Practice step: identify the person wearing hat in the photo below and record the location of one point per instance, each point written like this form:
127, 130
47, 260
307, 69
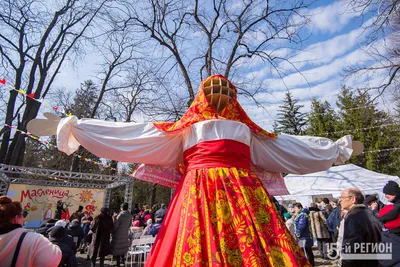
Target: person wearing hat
390, 216
371, 202
289, 223
392, 193
75, 230
101, 231
56, 236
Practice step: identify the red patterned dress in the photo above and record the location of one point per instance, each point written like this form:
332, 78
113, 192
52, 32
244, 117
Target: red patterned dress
221, 213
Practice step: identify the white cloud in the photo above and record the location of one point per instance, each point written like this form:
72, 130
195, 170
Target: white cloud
319, 74
324, 52
331, 18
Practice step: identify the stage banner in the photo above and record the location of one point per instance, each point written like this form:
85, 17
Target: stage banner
319, 198
39, 202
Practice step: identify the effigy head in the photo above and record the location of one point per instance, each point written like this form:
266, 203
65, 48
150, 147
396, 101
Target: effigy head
219, 91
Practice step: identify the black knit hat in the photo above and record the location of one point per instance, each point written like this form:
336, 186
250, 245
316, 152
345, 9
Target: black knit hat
391, 188
57, 232
104, 210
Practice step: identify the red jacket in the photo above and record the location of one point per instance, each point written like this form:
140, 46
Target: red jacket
390, 225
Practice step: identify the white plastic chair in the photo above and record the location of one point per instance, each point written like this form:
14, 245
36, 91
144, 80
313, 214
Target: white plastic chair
135, 256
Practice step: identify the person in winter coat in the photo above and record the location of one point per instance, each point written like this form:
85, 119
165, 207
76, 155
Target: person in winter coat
359, 228
392, 193
120, 241
281, 209
371, 202
76, 232
44, 228
289, 223
333, 222
153, 230
77, 214
56, 235
319, 229
101, 231
302, 224
160, 213
391, 237
87, 239
35, 249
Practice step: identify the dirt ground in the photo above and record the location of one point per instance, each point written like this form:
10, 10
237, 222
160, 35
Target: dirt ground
85, 263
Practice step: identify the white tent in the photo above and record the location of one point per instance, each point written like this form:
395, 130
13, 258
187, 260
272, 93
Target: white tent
334, 181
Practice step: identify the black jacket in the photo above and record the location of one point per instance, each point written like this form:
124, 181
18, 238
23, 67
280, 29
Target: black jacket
393, 241
359, 228
76, 232
68, 255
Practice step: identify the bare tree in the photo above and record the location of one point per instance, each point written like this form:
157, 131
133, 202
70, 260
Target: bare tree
204, 39
381, 44
35, 41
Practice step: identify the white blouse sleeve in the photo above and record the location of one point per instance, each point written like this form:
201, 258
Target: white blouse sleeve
299, 154
121, 141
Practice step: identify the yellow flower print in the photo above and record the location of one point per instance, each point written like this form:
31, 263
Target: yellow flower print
245, 195
261, 196
224, 211
206, 114
223, 246
190, 241
250, 235
278, 257
193, 189
197, 233
221, 194
188, 259
262, 216
243, 173
235, 257
223, 172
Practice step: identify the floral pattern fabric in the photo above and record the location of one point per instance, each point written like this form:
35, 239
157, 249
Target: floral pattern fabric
226, 218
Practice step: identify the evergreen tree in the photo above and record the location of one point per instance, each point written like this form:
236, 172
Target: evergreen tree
322, 120
290, 119
378, 132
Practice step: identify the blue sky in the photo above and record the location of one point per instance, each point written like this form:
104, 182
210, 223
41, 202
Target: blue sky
336, 37
334, 40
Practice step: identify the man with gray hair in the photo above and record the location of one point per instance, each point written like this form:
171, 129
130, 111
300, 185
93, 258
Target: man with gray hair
359, 230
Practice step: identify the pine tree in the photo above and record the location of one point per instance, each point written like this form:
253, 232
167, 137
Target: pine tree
290, 119
378, 132
322, 120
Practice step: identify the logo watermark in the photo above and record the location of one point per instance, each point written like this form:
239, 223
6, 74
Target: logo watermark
361, 251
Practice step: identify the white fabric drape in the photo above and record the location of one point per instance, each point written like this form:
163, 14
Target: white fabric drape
299, 154
143, 143
126, 142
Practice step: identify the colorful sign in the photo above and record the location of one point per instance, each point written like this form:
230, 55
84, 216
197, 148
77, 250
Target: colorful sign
319, 198
40, 202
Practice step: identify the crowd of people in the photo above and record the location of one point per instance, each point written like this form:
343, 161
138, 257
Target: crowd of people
333, 224
349, 226
57, 241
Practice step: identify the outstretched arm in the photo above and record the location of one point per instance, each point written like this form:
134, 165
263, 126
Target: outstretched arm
128, 142
299, 154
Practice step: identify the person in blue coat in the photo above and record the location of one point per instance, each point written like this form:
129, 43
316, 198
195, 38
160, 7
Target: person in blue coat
302, 224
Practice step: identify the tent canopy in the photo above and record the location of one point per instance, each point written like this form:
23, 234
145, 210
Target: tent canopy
334, 181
